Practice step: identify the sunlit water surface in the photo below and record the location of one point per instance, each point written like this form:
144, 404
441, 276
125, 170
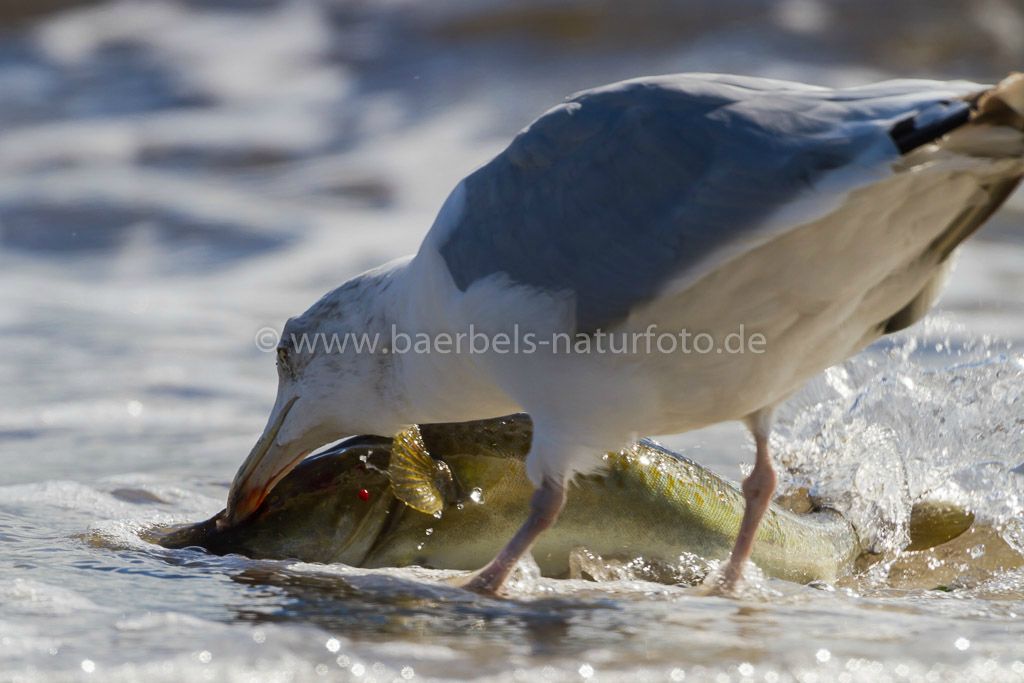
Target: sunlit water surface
176, 176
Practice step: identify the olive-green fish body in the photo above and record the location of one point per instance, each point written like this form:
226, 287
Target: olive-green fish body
449, 496
647, 502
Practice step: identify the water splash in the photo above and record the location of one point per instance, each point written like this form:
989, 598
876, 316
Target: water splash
917, 420
689, 570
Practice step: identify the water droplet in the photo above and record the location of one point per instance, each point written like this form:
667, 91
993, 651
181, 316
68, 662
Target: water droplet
586, 671
476, 495
677, 675
205, 657
745, 669
88, 666
430, 531
962, 644
332, 645
977, 551
823, 655
408, 672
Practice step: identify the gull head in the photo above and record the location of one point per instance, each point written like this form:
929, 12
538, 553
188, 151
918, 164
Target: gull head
336, 378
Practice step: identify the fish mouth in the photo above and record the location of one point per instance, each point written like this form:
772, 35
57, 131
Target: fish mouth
183, 535
267, 463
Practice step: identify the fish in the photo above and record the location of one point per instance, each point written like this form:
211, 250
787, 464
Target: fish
445, 496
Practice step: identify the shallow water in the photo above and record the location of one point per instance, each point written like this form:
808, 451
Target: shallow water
176, 176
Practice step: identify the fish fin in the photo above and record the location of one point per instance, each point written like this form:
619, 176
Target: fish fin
418, 480
933, 523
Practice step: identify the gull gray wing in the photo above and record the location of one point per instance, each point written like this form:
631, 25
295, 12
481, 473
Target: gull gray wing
624, 189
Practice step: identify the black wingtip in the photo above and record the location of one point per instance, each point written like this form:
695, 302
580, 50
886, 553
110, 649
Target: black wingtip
908, 134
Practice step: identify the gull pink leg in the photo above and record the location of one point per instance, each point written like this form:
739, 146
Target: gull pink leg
758, 488
546, 504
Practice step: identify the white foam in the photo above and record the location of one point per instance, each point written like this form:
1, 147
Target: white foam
29, 596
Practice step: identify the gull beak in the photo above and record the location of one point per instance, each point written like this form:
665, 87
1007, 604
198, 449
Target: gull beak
268, 463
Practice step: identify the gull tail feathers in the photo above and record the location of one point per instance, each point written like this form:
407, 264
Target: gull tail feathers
985, 138
1004, 104
996, 132
986, 123
996, 124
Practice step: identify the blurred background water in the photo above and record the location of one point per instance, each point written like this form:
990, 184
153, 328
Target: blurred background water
176, 175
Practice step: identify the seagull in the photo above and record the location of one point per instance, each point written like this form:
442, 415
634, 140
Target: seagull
811, 220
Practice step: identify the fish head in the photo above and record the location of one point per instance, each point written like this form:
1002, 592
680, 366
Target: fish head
330, 508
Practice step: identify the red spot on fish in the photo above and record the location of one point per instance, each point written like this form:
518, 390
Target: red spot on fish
364, 495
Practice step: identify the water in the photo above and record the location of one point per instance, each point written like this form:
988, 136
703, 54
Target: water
175, 176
